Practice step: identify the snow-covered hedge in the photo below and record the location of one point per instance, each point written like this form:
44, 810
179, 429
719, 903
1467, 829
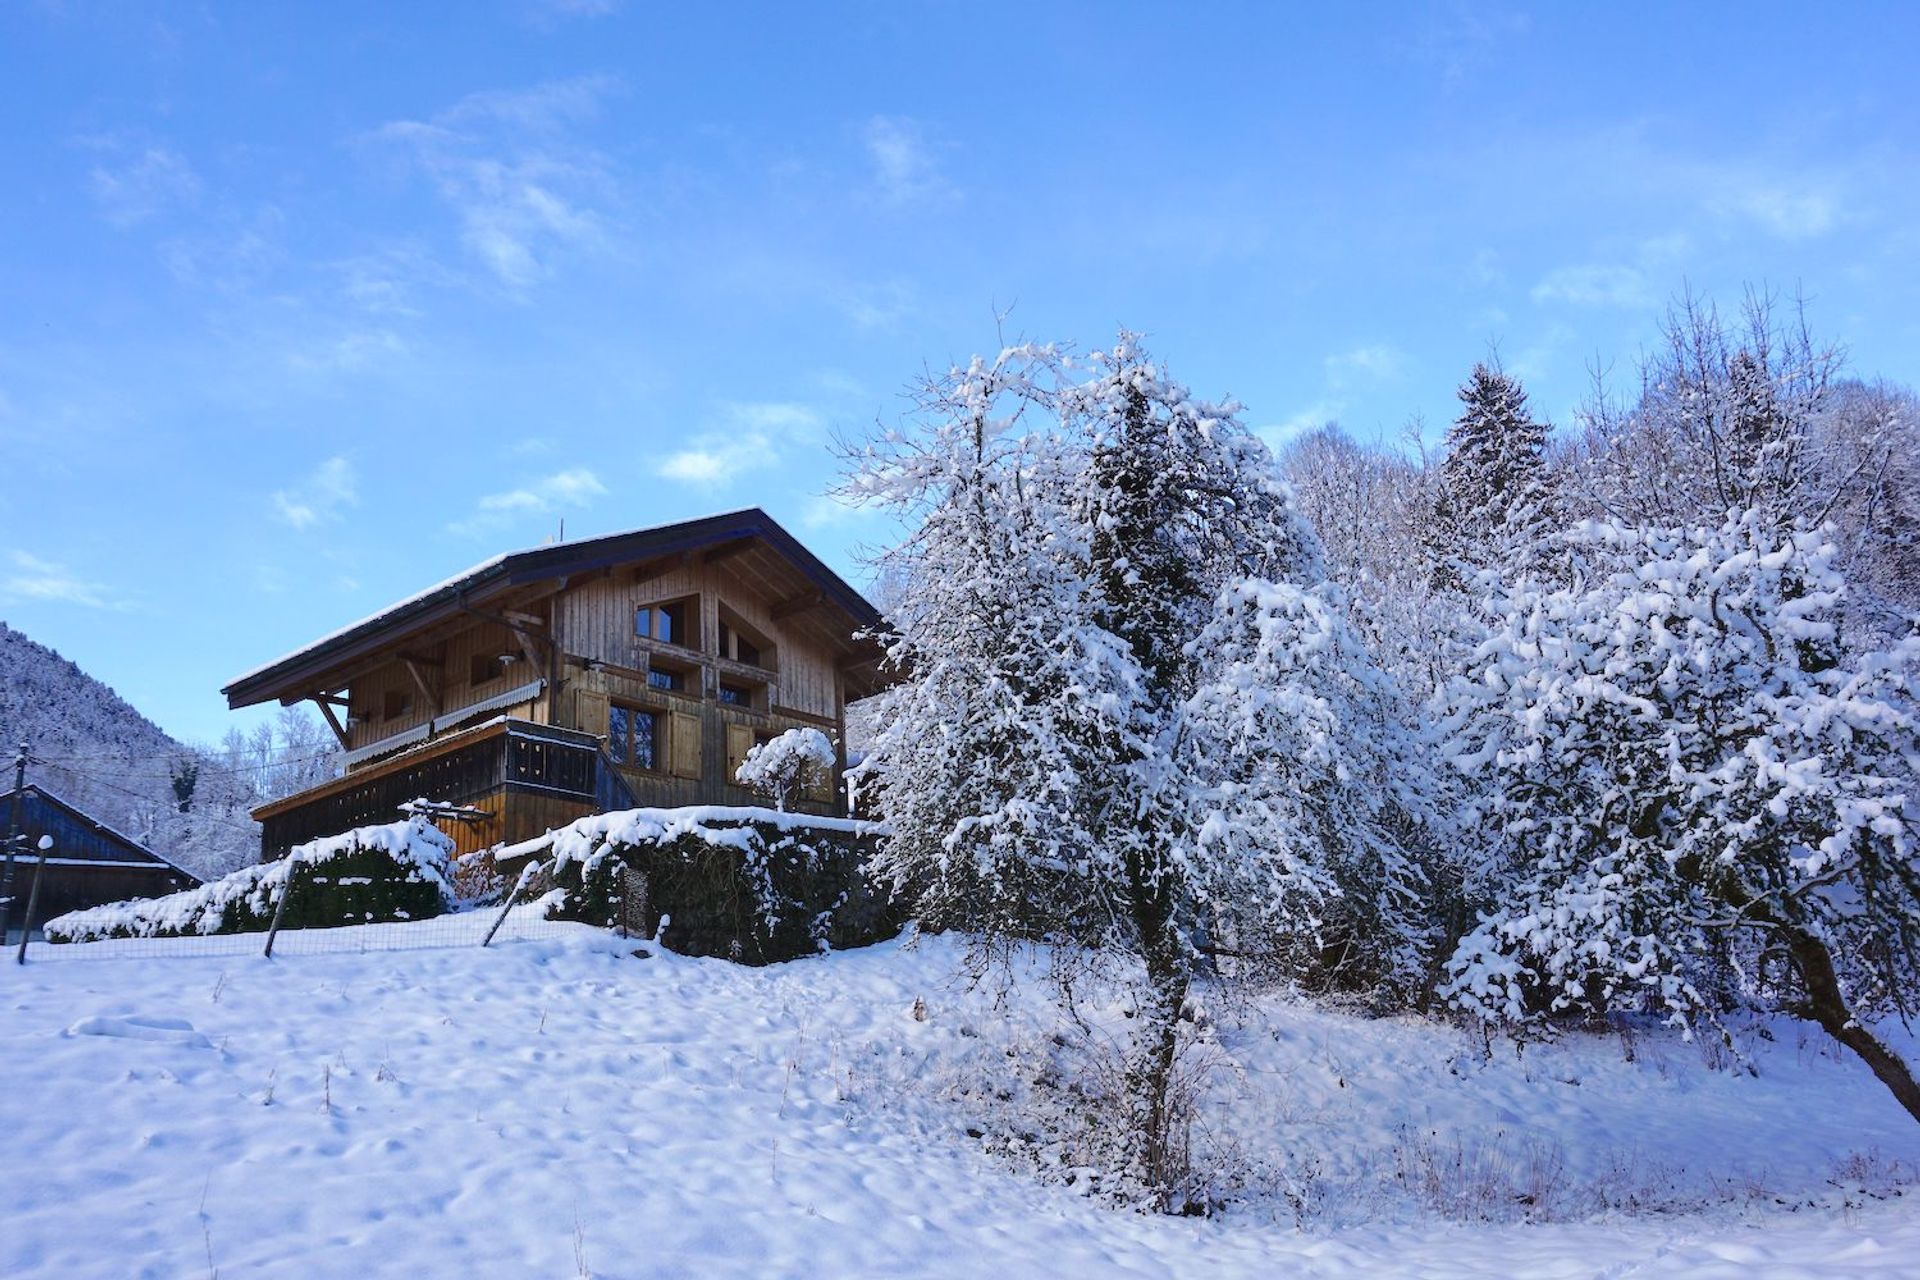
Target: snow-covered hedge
750, 884
396, 871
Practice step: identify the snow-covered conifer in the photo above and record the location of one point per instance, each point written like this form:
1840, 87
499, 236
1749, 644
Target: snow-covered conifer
1495, 495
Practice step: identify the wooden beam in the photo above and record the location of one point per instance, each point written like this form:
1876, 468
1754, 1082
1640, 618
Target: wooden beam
427, 691
649, 569
422, 659
719, 555
333, 722
797, 604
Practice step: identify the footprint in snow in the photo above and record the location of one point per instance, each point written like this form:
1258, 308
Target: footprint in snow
159, 1030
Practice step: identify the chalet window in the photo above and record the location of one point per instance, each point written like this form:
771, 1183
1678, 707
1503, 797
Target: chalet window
633, 737
483, 667
736, 695
740, 644
396, 703
660, 678
669, 622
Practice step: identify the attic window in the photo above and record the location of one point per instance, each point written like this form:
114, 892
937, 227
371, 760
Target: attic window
670, 622
396, 703
483, 667
740, 643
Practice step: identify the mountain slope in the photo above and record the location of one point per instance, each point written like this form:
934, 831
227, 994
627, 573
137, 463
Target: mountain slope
87, 743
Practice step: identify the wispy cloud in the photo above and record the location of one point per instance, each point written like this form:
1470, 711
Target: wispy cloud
1376, 362
36, 579
132, 189
562, 491
1312, 418
352, 352
509, 166
1789, 214
331, 488
904, 171
1595, 285
753, 438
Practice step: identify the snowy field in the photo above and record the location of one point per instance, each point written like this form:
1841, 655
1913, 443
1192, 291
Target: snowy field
558, 1108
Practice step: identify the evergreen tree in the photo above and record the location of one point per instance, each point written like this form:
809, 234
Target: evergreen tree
1494, 490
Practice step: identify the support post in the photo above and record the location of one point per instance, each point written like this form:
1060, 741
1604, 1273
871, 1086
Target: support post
13, 841
33, 899
280, 907
526, 874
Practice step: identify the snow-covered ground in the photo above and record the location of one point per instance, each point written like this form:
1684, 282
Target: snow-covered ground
558, 1107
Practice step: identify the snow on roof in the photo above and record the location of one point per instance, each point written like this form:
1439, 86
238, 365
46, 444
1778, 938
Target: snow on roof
40, 790
341, 632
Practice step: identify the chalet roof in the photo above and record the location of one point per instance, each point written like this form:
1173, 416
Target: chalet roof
564, 560
34, 790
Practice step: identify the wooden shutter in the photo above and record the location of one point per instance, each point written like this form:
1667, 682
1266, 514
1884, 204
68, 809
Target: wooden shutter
739, 742
683, 741
590, 712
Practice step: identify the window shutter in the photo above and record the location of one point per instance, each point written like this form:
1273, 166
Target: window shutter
739, 742
590, 712
683, 740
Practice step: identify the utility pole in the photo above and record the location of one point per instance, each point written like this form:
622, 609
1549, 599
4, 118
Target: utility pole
13, 842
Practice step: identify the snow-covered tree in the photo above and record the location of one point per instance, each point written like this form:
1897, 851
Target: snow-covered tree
1130, 710
1373, 511
1721, 423
1495, 495
1694, 790
785, 761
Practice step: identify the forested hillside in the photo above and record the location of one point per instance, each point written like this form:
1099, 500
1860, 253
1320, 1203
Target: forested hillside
188, 802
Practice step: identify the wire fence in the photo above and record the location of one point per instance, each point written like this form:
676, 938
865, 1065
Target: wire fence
520, 915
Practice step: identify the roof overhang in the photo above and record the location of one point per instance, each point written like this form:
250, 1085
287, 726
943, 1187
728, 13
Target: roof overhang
310, 670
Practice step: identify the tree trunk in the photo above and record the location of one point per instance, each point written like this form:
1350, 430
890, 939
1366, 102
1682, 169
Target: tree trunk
1826, 1004
1160, 1144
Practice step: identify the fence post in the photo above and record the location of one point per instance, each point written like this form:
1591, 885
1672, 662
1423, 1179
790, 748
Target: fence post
33, 898
526, 874
280, 907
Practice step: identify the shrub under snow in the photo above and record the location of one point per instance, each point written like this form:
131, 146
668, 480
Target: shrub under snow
784, 762
395, 871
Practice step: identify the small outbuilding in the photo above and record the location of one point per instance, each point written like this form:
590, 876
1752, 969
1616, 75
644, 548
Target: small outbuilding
90, 863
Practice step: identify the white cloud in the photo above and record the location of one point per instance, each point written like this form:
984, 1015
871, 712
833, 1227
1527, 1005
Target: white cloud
350, 352
564, 490
828, 511
1595, 285
332, 487
37, 579
1368, 363
903, 168
137, 189
508, 166
753, 438
1789, 214
1316, 415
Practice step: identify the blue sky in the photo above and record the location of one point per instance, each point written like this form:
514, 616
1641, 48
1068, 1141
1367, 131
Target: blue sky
305, 307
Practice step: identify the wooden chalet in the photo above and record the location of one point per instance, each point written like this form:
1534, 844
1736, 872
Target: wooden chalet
633, 669
90, 863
